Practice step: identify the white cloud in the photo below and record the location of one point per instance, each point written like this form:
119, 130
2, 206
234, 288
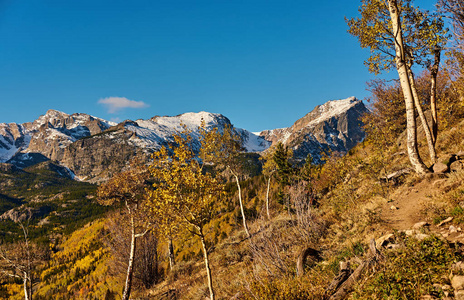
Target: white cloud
115, 104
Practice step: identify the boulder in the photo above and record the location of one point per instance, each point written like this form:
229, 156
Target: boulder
443, 163
420, 225
440, 167
458, 282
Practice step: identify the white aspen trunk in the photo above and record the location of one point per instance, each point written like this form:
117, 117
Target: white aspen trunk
267, 197
245, 226
433, 94
130, 265
28, 271
401, 67
26, 290
425, 125
208, 269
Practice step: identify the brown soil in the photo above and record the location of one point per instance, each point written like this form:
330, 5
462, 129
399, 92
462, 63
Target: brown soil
410, 203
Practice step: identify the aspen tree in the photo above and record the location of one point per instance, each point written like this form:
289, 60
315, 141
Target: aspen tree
128, 188
183, 193
400, 36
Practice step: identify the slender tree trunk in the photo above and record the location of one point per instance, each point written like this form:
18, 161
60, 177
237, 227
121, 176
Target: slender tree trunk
245, 226
425, 125
401, 67
130, 266
433, 94
26, 289
172, 261
208, 269
28, 272
267, 197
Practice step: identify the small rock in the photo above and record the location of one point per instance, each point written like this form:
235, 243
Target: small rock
459, 295
420, 225
458, 282
452, 229
393, 207
445, 287
440, 168
459, 266
384, 240
421, 236
445, 235
449, 219
427, 297
409, 232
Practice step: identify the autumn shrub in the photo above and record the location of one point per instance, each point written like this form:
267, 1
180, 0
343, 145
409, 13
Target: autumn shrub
182, 269
410, 271
283, 288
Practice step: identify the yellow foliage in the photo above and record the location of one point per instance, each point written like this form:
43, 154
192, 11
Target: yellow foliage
80, 269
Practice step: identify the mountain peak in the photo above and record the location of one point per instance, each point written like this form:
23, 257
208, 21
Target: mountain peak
333, 126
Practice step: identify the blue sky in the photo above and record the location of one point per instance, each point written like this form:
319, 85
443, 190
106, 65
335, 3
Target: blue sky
261, 63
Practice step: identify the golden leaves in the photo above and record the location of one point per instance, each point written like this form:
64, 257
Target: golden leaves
182, 192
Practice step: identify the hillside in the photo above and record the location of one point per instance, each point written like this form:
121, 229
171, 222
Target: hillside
416, 222
321, 227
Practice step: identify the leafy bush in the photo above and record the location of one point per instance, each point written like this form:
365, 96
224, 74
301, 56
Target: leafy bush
411, 271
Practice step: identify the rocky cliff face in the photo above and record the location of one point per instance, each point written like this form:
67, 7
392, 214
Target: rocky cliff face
93, 149
47, 137
331, 127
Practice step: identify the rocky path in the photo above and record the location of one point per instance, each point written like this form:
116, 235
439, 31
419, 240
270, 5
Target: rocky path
405, 206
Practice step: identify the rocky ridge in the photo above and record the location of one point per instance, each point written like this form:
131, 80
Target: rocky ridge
331, 127
93, 148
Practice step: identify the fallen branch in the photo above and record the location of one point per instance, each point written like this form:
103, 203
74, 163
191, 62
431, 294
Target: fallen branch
308, 251
346, 286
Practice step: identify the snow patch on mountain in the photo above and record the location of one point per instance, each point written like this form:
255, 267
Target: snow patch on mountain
333, 108
157, 131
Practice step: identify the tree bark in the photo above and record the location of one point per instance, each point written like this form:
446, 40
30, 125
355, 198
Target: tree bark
267, 197
172, 260
425, 125
433, 93
401, 67
245, 226
308, 251
28, 267
130, 266
343, 288
208, 269
26, 289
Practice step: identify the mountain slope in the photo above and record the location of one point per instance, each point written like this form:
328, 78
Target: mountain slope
331, 127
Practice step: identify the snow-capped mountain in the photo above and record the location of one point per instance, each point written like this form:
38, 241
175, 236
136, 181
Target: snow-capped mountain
331, 127
93, 149
46, 137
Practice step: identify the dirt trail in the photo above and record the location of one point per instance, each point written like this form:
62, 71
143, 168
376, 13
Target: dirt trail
409, 202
